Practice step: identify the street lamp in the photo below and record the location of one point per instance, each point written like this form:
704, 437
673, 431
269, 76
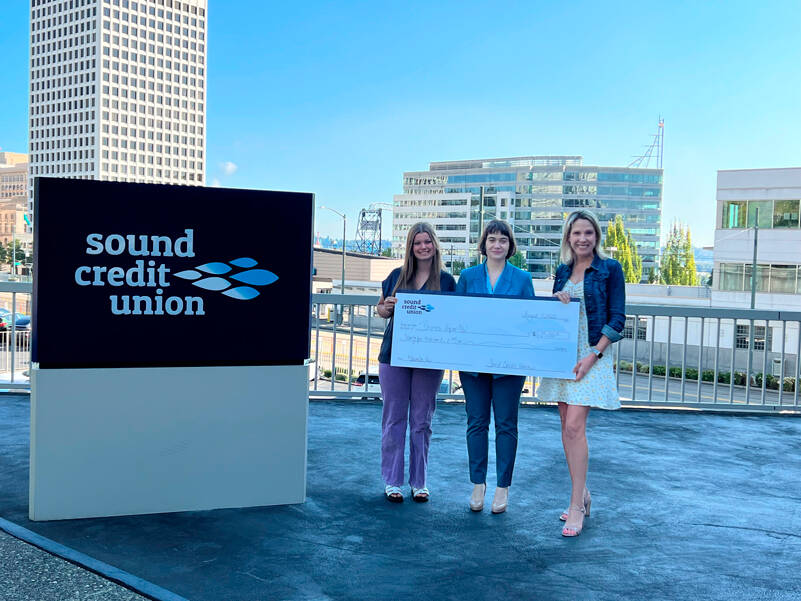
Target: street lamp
344, 223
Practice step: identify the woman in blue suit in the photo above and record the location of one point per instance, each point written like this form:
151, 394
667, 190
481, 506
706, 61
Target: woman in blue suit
483, 392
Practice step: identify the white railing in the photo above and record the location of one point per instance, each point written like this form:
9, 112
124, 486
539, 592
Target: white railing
15, 344
729, 359
712, 355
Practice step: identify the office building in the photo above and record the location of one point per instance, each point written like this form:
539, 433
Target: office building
118, 90
13, 198
534, 194
768, 198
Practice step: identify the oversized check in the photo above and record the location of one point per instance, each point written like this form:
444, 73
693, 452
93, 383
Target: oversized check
487, 334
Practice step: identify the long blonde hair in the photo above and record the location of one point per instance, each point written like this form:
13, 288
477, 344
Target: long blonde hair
409, 268
565, 252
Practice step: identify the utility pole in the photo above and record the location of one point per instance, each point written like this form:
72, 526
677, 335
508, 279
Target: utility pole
754, 261
480, 218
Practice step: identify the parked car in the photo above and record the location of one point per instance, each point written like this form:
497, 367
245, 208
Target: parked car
23, 323
372, 384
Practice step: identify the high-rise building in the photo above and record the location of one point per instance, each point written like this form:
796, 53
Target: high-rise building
118, 90
534, 194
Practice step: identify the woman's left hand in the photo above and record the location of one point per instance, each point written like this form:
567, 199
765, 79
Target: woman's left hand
584, 365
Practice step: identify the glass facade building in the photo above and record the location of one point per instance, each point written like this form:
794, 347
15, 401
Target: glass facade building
534, 194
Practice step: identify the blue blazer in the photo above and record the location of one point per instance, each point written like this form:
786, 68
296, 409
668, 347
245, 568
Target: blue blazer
512, 281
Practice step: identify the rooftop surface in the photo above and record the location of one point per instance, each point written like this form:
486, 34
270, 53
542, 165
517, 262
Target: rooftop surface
686, 505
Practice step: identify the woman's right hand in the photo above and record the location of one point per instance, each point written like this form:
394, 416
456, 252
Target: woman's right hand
389, 305
562, 296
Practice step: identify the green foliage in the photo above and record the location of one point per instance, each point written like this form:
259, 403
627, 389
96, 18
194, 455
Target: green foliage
387, 252
518, 260
326, 373
15, 251
677, 267
708, 375
456, 267
625, 250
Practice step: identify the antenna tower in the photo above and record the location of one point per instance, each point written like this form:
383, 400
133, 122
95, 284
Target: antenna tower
654, 150
368, 231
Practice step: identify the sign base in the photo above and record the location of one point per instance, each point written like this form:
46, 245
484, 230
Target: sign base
108, 442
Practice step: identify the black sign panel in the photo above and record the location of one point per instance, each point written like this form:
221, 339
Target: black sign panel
145, 275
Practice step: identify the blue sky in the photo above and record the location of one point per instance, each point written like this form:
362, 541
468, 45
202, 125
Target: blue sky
340, 98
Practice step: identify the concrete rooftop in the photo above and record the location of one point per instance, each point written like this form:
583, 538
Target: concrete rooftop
685, 506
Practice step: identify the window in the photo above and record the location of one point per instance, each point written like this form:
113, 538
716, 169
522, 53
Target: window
785, 213
759, 337
765, 208
734, 214
628, 329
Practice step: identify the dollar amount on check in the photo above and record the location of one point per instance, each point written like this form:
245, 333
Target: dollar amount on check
486, 334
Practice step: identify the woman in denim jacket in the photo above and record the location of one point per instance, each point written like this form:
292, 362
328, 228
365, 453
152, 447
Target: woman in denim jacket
598, 282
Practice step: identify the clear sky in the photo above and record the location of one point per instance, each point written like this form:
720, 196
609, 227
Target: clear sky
340, 98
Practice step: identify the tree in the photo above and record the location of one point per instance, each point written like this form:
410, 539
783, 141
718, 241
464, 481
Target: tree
677, 267
625, 250
518, 260
387, 252
456, 267
17, 252
689, 276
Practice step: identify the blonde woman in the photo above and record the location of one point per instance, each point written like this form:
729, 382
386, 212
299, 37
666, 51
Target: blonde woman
410, 394
597, 281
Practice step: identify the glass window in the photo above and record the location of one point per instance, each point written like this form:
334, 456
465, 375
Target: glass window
762, 277
782, 278
734, 214
765, 208
785, 213
762, 335
731, 276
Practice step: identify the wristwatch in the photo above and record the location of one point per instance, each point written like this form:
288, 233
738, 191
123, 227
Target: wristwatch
598, 353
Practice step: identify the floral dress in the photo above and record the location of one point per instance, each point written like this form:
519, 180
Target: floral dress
598, 387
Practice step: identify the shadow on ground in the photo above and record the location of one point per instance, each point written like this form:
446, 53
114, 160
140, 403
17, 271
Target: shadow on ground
685, 506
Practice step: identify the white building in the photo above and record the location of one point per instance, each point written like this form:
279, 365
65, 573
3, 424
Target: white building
118, 90
774, 195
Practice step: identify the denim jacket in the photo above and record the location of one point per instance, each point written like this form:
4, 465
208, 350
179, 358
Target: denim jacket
604, 297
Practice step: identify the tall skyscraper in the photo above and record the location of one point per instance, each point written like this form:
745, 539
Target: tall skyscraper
534, 194
118, 90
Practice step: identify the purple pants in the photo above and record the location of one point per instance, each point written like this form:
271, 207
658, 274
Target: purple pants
410, 396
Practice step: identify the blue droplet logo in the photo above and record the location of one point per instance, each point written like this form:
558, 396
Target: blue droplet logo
189, 274
212, 283
244, 262
215, 268
242, 293
255, 277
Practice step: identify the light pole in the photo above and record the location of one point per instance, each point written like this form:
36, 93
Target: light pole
344, 225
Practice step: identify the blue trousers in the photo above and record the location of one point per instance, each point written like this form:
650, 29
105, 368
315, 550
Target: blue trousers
483, 392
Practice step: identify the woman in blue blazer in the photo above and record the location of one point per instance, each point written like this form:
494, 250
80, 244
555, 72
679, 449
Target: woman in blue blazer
483, 392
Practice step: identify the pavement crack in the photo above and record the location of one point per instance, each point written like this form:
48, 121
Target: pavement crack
254, 577
765, 530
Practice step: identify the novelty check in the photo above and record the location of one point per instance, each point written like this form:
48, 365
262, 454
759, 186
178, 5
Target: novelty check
486, 334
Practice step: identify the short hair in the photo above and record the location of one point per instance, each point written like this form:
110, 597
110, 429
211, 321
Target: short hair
498, 226
565, 252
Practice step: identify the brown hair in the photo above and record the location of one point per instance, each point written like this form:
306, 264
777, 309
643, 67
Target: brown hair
409, 268
498, 226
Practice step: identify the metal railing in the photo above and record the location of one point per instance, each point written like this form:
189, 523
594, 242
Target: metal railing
672, 357
15, 345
